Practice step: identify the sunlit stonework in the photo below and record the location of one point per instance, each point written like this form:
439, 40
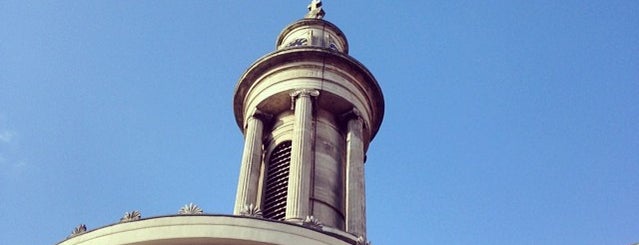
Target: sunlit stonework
315, 10
131, 216
308, 112
190, 209
312, 222
252, 211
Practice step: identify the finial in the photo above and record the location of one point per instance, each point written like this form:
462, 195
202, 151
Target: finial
315, 10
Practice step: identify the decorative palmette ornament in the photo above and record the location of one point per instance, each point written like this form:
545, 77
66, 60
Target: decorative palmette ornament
251, 211
131, 216
312, 222
362, 241
190, 209
82, 228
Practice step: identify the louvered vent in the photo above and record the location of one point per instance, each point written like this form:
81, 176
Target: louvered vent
276, 184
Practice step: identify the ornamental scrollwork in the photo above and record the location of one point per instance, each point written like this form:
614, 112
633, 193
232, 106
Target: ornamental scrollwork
297, 42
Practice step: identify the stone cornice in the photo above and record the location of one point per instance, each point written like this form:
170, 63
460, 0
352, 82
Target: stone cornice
311, 54
150, 227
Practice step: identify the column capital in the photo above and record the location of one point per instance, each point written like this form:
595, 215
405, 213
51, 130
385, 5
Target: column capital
353, 114
263, 116
305, 92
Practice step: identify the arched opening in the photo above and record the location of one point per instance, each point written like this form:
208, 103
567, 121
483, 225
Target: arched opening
276, 182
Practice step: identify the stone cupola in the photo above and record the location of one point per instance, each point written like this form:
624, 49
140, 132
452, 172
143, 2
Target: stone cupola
308, 112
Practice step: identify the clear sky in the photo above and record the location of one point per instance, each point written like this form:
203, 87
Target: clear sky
507, 122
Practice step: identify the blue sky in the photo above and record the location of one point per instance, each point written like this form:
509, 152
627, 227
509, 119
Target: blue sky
507, 122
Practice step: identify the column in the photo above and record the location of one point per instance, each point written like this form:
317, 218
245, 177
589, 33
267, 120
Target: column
251, 161
355, 188
298, 199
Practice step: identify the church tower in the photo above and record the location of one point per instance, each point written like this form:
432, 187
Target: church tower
308, 112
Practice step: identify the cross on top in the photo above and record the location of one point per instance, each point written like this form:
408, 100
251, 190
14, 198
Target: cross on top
315, 10
314, 5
